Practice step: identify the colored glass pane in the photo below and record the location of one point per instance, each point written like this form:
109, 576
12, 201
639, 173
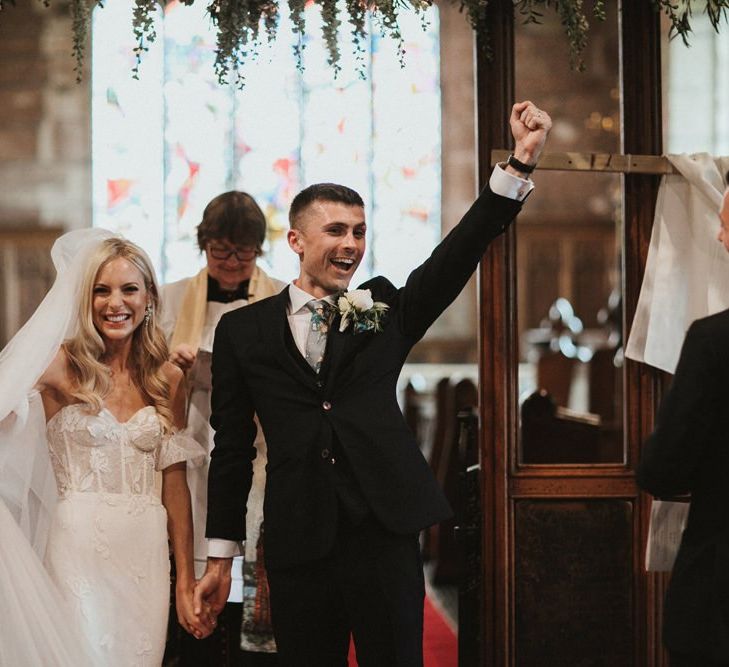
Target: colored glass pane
166, 144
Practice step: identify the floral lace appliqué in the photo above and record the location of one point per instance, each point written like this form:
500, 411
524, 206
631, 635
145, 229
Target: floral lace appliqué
81, 590
95, 453
101, 543
144, 648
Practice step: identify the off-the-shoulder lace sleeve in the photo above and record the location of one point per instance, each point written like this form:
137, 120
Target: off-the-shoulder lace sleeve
179, 446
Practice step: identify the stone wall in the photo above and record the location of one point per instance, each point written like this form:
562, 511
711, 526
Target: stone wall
453, 337
45, 139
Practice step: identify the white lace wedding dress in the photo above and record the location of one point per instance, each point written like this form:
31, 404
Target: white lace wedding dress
34, 628
107, 548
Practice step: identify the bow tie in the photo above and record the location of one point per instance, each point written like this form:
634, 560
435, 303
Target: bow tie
218, 294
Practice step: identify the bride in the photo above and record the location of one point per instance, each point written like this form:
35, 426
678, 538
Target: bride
87, 392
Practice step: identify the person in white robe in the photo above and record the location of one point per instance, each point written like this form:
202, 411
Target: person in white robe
231, 236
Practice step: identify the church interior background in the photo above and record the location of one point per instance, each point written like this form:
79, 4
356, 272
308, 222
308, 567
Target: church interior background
144, 156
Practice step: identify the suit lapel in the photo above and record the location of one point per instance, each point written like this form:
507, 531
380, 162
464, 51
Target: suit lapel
287, 352
336, 343
341, 347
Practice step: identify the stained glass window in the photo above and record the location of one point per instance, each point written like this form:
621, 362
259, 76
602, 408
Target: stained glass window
696, 90
164, 145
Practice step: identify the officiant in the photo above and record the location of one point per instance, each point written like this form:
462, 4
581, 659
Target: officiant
231, 235
688, 452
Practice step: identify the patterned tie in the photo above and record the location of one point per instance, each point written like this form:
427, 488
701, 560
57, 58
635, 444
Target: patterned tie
316, 339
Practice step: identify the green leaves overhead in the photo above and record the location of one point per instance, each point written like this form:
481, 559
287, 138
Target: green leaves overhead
81, 18
242, 25
239, 23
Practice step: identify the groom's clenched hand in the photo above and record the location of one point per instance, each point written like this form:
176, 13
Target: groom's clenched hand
530, 126
211, 592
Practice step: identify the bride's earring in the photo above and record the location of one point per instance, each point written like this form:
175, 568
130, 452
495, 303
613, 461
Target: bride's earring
147, 313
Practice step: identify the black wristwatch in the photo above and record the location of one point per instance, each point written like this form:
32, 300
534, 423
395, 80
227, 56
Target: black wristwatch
519, 165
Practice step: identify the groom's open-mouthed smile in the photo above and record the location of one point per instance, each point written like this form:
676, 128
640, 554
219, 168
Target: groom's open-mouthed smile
330, 243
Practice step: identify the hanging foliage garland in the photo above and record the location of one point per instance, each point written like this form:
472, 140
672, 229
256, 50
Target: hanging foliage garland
243, 24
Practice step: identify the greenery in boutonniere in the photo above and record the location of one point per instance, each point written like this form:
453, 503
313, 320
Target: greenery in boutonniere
242, 24
357, 308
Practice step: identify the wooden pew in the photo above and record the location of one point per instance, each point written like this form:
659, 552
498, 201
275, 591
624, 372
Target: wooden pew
554, 435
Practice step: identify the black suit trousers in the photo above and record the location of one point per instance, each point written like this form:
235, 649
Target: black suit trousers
370, 585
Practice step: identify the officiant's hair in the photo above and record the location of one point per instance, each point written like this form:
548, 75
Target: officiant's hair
232, 216
149, 351
330, 192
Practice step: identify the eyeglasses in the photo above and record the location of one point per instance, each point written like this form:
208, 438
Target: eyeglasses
241, 254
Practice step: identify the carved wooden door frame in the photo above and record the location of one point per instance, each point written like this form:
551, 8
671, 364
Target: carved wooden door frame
504, 480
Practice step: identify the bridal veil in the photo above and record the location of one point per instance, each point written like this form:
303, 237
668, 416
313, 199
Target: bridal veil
27, 484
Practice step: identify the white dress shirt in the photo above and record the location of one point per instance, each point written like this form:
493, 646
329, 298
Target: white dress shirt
299, 316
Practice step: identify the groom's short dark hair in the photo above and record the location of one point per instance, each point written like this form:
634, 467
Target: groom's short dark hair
331, 192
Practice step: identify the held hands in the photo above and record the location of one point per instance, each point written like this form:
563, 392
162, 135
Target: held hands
211, 593
183, 356
530, 127
196, 625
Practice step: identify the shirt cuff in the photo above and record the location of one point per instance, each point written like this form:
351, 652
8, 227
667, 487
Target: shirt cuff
507, 185
218, 548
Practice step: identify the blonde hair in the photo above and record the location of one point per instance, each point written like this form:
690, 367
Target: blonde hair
85, 350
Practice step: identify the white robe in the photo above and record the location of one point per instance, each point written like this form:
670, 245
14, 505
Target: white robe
687, 270
198, 425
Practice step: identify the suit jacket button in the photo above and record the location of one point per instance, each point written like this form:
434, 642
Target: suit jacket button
319, 384
325, 453
326, 405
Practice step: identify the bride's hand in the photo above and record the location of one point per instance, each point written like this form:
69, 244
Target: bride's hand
186, 615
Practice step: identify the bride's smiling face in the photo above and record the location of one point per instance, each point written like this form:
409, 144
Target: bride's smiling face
119, 299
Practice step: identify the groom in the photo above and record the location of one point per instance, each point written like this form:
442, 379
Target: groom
347, 488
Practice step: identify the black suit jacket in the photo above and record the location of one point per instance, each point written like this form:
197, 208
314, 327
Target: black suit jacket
348, 410
689, 452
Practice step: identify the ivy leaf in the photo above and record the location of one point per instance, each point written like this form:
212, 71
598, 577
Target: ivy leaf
143, 27
330, 31
238, 23
80, 18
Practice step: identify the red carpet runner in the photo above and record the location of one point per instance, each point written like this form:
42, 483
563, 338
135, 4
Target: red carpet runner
440, 645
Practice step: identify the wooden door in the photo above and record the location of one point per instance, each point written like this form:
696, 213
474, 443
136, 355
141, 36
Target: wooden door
563, 542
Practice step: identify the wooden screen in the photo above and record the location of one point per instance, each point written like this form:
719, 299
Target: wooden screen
563, 543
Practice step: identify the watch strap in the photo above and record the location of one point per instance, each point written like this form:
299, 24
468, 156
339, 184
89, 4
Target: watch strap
519, 165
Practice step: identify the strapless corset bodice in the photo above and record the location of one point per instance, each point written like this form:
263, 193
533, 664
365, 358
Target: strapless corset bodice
97, 453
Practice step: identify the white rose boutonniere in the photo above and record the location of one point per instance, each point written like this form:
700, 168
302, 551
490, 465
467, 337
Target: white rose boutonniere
357, 307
